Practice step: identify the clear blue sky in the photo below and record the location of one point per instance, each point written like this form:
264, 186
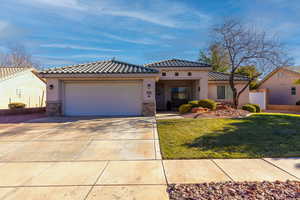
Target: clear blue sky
60, 32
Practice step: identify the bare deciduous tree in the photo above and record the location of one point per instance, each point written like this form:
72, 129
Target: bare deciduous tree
17, 56
247, 46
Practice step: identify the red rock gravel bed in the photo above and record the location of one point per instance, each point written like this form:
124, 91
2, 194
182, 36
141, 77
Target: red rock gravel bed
222, 113
236, 191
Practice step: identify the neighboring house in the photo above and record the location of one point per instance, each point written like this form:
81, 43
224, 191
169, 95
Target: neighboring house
281, 87
112, 87
21, 84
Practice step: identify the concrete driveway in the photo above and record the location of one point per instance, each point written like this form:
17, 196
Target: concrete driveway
81, 158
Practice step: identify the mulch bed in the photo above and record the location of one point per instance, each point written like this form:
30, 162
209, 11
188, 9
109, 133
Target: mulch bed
236, 191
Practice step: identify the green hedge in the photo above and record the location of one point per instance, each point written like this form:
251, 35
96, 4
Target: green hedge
249, 107
15, 105
208, 103
194, 103
185, 108
257, 107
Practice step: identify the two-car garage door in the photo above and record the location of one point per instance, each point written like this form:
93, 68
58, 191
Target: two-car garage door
103, 98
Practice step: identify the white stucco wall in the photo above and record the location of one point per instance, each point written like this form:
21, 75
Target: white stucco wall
54, 95
149, 90
212, 92
182, 74
279, 88
24, 87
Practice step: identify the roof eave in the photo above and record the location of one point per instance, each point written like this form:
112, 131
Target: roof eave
183, 68
64, 75
222, 81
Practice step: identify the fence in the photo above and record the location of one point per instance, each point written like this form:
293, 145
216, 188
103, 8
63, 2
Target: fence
259, 97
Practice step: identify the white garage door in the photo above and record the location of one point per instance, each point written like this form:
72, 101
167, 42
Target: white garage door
103, 98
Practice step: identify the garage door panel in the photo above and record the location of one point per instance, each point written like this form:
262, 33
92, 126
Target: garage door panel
106, 99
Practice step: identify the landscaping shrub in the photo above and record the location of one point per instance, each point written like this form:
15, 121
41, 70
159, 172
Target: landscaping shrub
184, 108
257, 107
298, 103
249, 107
194, 103
16, 105
208, 103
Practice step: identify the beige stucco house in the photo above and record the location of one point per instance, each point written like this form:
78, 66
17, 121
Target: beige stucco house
280, 86
21, 84
111, 88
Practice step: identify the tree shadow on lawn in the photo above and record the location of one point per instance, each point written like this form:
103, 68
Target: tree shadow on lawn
253, 137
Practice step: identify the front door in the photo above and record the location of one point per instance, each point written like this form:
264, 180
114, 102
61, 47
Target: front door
159, 96
179, 96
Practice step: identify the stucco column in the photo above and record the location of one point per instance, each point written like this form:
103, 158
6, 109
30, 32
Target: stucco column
203, 84
149, 104
54, 101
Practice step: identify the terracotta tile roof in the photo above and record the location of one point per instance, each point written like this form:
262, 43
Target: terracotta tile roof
219, 76
8, 72
101, 67
177, 63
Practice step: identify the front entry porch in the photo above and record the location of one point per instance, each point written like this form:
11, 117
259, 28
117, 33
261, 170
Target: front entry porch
170, 94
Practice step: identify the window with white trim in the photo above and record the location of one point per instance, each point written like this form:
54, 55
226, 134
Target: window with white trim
224, 92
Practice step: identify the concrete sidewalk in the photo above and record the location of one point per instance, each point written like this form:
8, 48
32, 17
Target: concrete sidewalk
219, 170
143, 179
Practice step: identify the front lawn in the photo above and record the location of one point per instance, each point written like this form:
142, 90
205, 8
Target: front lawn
260, 135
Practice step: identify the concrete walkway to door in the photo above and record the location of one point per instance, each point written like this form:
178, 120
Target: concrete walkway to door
109, 159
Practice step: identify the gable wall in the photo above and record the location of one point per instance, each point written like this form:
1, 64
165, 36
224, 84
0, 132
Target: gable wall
279, 88
30, 87
182, 74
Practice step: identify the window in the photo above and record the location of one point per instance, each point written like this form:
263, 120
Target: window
19, 93
189, 73
176, 73
293, 91
224, 92
179, 93
164, 74
221, 92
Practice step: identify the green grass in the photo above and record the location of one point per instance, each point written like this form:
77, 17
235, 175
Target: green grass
260, 135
